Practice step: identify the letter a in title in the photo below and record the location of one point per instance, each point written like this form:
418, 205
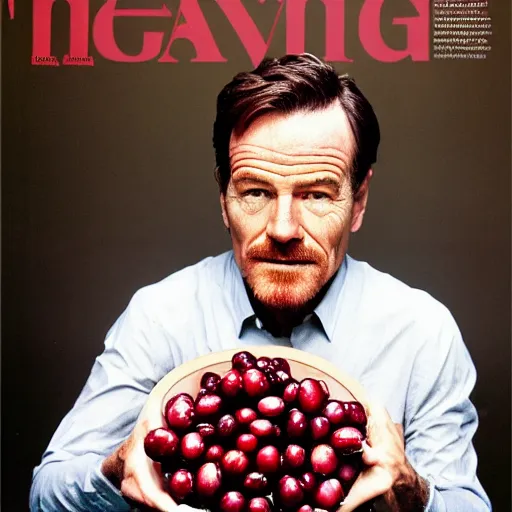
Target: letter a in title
197, 31
246, 29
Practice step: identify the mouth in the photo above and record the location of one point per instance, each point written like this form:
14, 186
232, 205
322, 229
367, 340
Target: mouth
287, 262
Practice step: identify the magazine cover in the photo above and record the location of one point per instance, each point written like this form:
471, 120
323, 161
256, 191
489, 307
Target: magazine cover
136, 238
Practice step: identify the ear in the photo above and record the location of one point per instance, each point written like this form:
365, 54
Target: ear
224, 210
359, 206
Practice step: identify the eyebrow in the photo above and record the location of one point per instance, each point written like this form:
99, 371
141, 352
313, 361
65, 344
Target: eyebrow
328, 182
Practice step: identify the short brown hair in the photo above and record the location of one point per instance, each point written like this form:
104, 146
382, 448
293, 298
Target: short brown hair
289, 84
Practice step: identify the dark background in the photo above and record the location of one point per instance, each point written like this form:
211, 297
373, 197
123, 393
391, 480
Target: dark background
107, 186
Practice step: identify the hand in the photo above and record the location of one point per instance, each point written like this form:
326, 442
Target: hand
133, 472
388, 476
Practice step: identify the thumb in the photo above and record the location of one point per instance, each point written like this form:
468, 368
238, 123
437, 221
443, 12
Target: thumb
165, 503
154, 489
371, 456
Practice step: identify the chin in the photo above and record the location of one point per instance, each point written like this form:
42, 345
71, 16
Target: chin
287, 290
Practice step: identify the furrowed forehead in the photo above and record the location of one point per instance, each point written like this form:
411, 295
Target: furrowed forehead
250, 160
299, 132
302, 141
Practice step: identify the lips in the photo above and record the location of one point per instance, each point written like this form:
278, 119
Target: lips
284, 261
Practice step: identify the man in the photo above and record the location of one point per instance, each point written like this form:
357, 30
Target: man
294, 148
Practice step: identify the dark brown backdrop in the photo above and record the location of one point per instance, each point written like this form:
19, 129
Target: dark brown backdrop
107, 186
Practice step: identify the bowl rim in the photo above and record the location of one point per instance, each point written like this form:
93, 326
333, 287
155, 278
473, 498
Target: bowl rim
153, 406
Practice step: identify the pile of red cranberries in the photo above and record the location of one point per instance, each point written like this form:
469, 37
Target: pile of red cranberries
257, 440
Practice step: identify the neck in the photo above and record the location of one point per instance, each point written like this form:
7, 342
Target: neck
281, 321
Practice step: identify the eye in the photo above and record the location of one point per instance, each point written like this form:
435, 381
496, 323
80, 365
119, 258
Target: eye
316, 196
256, 192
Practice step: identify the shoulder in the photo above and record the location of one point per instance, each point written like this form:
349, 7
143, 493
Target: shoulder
412, 325
160, 313
391, 302
190, 284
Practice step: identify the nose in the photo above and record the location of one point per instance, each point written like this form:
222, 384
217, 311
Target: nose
284, 224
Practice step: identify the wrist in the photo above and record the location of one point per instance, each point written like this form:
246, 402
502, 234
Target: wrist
112, 469
411, 492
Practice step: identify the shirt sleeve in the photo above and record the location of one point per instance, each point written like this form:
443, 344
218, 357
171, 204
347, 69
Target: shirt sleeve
69, 476
441, 421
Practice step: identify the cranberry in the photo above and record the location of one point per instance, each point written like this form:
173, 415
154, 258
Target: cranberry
181, 484
291, 391
297, 424
290, 493
180, 396
208, 405
319, 427
283, 377
214, 453
311, 396
323, 459
192, 445
243, 361
347, 440
255, 482
206, 430
245, 415
294, 456
263, 363
180, 413
210, 381
208, 480
232, 501
281, 364
271, 406
325, 388
259, 505
255, 383
329, 494
161, 443
226, 426
268, 459
348, 471
305, 508
308, 482
355, 414
261, 428
231, 384
247, 442
234, 462
273, 379
334, 412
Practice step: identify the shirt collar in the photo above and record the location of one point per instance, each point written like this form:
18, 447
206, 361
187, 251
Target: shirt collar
242, 308
325, 311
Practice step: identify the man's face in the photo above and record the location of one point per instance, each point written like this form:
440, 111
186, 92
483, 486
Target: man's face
289, 204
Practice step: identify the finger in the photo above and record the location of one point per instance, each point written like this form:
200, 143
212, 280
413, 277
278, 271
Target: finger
146, 490
371, 456
400, 429
368, 486
378, 423
156, 496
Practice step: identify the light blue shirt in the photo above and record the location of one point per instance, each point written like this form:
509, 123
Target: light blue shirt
402, 345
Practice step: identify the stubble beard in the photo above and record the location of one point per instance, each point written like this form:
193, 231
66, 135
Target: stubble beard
288, 288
